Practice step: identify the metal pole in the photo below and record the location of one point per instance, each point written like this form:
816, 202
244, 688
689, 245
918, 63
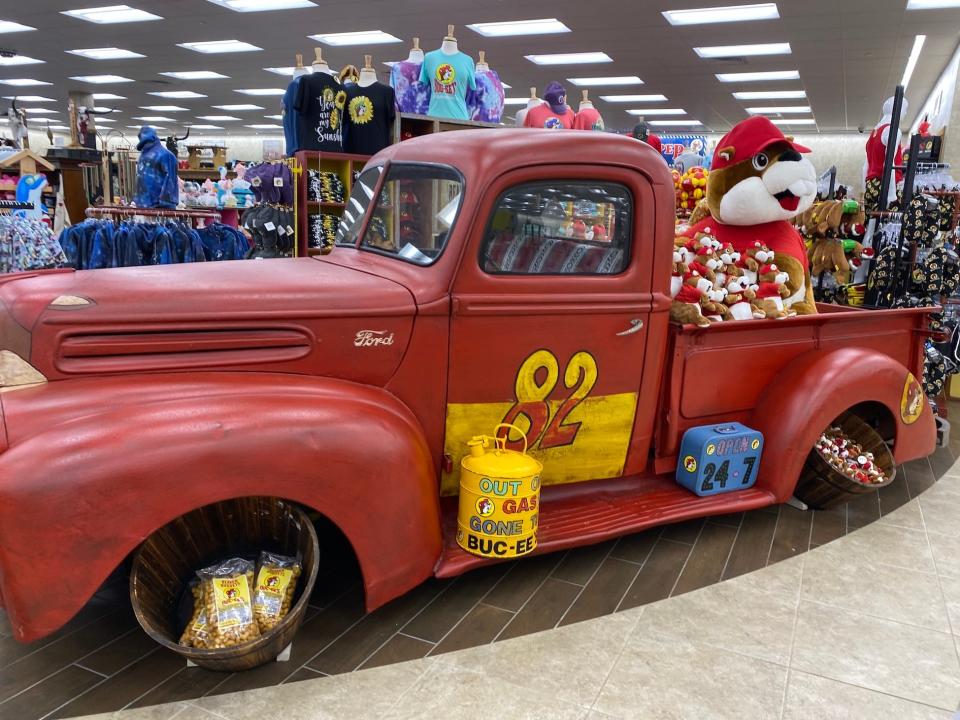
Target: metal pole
892, 143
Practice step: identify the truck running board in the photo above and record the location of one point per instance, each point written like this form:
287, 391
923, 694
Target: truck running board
590, 512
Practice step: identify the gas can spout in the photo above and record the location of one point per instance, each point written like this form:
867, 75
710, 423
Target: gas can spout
476, 445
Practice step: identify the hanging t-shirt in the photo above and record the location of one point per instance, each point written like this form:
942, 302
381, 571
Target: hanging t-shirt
290, 118
319, 104
368, 119
543, 116
588, 119
449, 77
487, 101
413, 96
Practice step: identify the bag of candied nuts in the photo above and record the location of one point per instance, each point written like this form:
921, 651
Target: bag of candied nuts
273, 592
227, 602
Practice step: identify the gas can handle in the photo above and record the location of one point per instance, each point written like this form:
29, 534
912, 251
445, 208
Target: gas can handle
502, 442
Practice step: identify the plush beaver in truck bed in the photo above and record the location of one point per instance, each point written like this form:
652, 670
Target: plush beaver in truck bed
759, 181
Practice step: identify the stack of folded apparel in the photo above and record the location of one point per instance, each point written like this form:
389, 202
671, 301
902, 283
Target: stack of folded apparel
323, 231
325, 187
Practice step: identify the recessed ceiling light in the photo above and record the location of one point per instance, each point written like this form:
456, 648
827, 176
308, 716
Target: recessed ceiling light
108, 96
583, 58
40, 111
111, 14
201, 126
219, 46
912, 60
794, 121
675, 123
732, 13
57, 127
153, 118
29, 98
515, 101
220, 118
101, 79
520, 27
658, 111
633, 98
261, 5
364, 37
931, 4
265, 126
778, 110
108, 121
8, 26
109, 53
725, 51
241, 106
103, 109
285, 71
163, 108
771, 95
177, 94
195, 75
759, 76
261, 91
611, 80
24, 82
274, 117
18, 60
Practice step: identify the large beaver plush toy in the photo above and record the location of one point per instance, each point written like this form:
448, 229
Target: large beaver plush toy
759, 181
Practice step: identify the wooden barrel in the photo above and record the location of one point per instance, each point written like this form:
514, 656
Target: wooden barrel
821, 486
169, 559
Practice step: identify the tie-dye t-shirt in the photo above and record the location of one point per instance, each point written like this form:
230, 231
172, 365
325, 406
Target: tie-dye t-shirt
413, 96
486, 102
449, 77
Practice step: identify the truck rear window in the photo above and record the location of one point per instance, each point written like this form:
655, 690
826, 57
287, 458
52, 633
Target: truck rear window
414, 212
564, 227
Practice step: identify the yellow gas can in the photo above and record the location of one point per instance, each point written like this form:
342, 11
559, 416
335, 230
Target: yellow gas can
499, 498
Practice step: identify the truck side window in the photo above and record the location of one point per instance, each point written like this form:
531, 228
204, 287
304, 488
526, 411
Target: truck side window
360, 198
563, 227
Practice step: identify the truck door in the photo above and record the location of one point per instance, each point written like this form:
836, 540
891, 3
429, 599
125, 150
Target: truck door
551, 307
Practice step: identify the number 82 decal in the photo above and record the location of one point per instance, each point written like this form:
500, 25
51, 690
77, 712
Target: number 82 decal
537, 378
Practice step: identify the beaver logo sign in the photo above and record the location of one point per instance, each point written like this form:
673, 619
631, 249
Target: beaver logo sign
911, 402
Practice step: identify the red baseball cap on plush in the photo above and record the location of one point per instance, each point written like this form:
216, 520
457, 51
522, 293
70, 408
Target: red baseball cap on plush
747, 139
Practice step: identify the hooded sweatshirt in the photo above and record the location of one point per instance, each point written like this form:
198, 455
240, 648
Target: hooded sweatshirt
156, 173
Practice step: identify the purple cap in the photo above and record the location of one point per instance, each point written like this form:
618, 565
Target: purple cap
556, 97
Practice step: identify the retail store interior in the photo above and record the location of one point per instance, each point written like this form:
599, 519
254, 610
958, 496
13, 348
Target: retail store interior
472, 359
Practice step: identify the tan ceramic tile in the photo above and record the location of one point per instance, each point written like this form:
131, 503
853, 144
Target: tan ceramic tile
907, 516
831, 576
946, 553
903, 660
449, 691
810, 697
941, 510
366, 693
594, 643
667, 679
731, 615
782, 578
890, 544
192, 712
153, 712
951, 592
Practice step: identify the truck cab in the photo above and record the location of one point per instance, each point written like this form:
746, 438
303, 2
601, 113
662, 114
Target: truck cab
479, 277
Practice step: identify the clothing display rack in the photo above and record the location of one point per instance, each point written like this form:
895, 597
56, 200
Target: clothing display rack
11, 205
126, 211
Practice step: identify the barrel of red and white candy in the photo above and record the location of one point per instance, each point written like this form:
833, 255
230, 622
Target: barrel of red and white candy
848, 457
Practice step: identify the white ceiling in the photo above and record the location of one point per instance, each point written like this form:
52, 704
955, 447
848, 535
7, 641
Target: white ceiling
850, 53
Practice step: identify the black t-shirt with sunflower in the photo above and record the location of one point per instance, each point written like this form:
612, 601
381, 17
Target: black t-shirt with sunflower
368, 118
320, 104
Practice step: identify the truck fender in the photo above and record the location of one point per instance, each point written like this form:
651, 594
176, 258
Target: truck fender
816, 387
76, 499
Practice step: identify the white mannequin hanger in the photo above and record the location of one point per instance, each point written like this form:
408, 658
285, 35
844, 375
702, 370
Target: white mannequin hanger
319, 64
368, 76
482, 62
300, 70
416, 54
449, 46
585, 103
534, 101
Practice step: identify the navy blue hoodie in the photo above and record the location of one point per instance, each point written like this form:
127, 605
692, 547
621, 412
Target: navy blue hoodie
156, 173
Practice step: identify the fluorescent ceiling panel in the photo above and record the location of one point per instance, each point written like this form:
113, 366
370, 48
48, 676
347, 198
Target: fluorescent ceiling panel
778, 110
274, 117
23, 82
265, 126
164, 108
40, 111
241, 106
583, 58
545, 26
195, 75
515, 101
725, 51
771, 95
794, 121
108, 96
220, 118
261, 91
29, 98
101, 79
285, 71
8, 26
177, 94
759, 76
608, 80
658, 111
363, 37
633, 98
110, 14
201, 126
932, 4
730, 13
107, 53
153, 118
675, 123
18, 60
912, 60
216, 47
262, 5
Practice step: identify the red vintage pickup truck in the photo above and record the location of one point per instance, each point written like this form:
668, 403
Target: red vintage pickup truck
480, 277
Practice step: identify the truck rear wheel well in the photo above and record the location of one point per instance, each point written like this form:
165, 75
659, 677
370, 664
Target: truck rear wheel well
879, 417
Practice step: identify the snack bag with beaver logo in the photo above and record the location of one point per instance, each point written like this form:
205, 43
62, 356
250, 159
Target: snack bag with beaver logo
227, 605
273, 592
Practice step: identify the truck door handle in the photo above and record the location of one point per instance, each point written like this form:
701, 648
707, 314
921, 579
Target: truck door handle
635, 326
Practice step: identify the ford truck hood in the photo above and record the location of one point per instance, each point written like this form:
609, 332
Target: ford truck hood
289, 315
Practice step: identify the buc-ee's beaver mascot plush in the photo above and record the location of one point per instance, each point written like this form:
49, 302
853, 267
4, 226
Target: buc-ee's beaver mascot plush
759, 181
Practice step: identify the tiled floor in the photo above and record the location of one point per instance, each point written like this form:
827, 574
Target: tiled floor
103, 662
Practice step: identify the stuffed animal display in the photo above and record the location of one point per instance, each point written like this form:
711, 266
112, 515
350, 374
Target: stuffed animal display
690, 187
759, 180
834, 231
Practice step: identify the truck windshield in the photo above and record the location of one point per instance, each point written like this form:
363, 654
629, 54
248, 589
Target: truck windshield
414, 213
